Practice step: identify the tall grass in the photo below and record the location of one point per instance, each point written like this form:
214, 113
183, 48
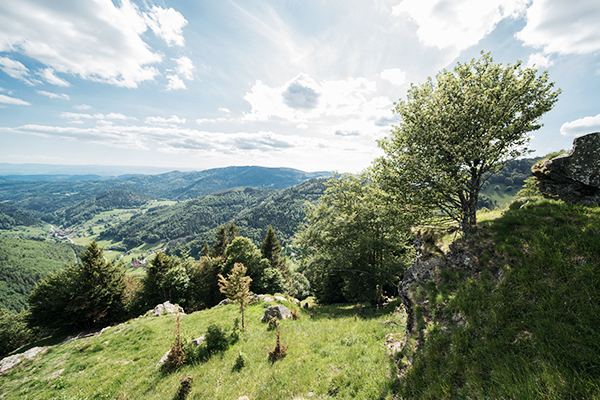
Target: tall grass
529, 312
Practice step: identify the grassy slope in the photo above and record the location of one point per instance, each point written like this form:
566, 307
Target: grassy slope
524, 323
332, 354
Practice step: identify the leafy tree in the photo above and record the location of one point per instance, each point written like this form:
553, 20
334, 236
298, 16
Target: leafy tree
265, 279
80, 296
354, 243
166, 279
237, 287
14, 331
458, 127
204, 282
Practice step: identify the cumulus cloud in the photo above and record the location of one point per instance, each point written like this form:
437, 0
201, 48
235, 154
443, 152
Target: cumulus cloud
394, 75
457, 24
301, 94
347, 133
82, 107
302, 99
95, 40
13, 101
185, 67
50, 77
167, 24
539, 60
77, 118
581, 126
175, 82
225, 110
562, 27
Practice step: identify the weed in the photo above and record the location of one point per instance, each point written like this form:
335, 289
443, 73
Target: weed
295, 314
185, 386
176, 357
279, 350
273, 324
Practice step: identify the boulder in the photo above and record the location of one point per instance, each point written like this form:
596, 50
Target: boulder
167, 308
279, 312
280, 298
10, 361
223, 302
574, 176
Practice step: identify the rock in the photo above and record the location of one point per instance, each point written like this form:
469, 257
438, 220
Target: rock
279, 312
575, 176
198, 341
264, 297
223, 303
167, 308
281, 298
163, 359
10, 361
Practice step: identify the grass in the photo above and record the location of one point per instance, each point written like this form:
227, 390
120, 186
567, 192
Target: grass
523, 323
332, 353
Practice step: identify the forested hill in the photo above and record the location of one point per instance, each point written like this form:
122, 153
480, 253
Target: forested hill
11, 216
49, 196
252, 210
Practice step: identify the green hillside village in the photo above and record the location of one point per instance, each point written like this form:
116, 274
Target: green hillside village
454, 267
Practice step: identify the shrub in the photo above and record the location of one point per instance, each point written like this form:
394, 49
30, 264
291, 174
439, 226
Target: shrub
185, 385
240, 362
216, 339
278, 352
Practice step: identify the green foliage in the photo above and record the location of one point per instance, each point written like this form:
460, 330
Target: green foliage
185, 386
301, 286
265, 279
224, 236
456, 129
240, 362
167, 279
12, 216
14, 331
80, 296
354, 242
216, 339
24, 262
526, 313
530, 189
237, 287
205, 283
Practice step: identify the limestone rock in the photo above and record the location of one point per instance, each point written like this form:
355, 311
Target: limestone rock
279, 312
9, 362
280, 298
167, 308
575, 176
223, 302
198, 341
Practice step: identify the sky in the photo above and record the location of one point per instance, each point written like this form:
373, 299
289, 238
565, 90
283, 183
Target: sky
305, 84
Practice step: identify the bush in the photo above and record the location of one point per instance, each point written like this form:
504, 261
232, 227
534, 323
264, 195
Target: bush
177, 356
185, 385
216, 339
239, 363
14, 332
278, 352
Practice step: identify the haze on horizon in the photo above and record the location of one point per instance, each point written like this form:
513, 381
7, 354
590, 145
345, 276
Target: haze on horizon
301, 84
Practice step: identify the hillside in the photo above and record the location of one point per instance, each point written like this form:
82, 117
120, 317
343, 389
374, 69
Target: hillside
48, 196
11, 217
24, 262
332, 353
522, 321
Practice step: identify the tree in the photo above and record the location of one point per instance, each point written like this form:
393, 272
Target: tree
271, 250
224, 236
237, 287
354, 242
80, 296
457, 128
166, 279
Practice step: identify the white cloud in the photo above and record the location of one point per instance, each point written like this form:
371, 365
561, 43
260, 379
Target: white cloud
185, 68
539, 60
302, 99
394, 75
302, 126
82, 107
563, 27
457, 24
99, 117
167, 24
12, 100
581, 126
175, 82
16, 70
160, 120
54, 95
225, 110
50, 77
95, 40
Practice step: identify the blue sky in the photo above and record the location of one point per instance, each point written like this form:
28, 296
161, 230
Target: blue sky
306, 84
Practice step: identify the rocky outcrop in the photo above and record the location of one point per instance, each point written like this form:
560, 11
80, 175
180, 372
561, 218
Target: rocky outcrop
574, 176
9, 362
279, 312
167, 308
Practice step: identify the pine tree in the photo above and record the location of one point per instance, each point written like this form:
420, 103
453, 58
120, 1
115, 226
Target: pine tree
271, 250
